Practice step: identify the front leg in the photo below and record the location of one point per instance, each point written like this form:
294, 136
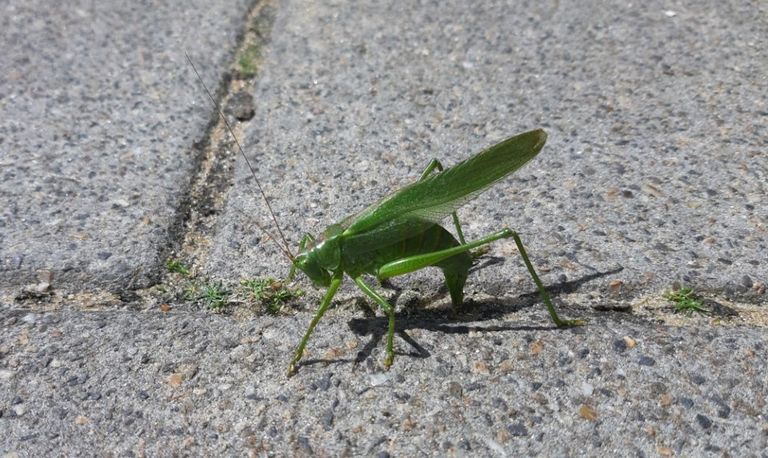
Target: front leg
335, 282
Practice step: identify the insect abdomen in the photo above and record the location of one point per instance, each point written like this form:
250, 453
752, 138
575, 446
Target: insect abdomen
435, 238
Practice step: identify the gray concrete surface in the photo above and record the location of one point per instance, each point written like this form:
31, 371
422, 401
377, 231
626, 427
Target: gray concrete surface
98, 118
150, 384
654, 172
497, 384
656, 160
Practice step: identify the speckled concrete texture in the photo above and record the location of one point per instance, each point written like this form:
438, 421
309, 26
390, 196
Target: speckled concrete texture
654, 173
656, 117
492, 385
98, 118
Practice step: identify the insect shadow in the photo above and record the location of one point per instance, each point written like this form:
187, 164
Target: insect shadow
436, 320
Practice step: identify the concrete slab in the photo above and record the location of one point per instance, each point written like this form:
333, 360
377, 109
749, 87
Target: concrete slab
99, 112
656, 118
493, 384
656, 121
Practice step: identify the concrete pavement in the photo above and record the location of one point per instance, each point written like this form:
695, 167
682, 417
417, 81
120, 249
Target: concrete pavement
654, 174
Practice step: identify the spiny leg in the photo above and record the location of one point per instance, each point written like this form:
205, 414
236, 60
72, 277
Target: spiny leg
414, 263
435, 164
335, 282
390, 311
542, 290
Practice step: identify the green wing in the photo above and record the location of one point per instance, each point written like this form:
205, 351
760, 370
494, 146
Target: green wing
434, 198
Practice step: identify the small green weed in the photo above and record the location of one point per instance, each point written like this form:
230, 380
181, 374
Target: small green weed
215, 296
175, 266
192, 290
685, 300
270, 293
247, 61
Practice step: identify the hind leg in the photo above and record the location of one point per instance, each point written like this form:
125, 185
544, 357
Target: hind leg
455, 262
542, 290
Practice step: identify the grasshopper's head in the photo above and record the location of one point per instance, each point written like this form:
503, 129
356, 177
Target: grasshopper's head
320, 257
307, 262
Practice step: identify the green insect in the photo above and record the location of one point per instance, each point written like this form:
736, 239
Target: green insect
402, 233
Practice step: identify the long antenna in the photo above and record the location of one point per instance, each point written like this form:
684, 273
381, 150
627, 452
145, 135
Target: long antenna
284, 248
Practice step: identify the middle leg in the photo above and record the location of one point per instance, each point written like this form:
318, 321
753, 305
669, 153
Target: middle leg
389, 310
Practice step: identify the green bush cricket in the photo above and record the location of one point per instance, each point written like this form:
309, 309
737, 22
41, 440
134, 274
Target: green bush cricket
402, 233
